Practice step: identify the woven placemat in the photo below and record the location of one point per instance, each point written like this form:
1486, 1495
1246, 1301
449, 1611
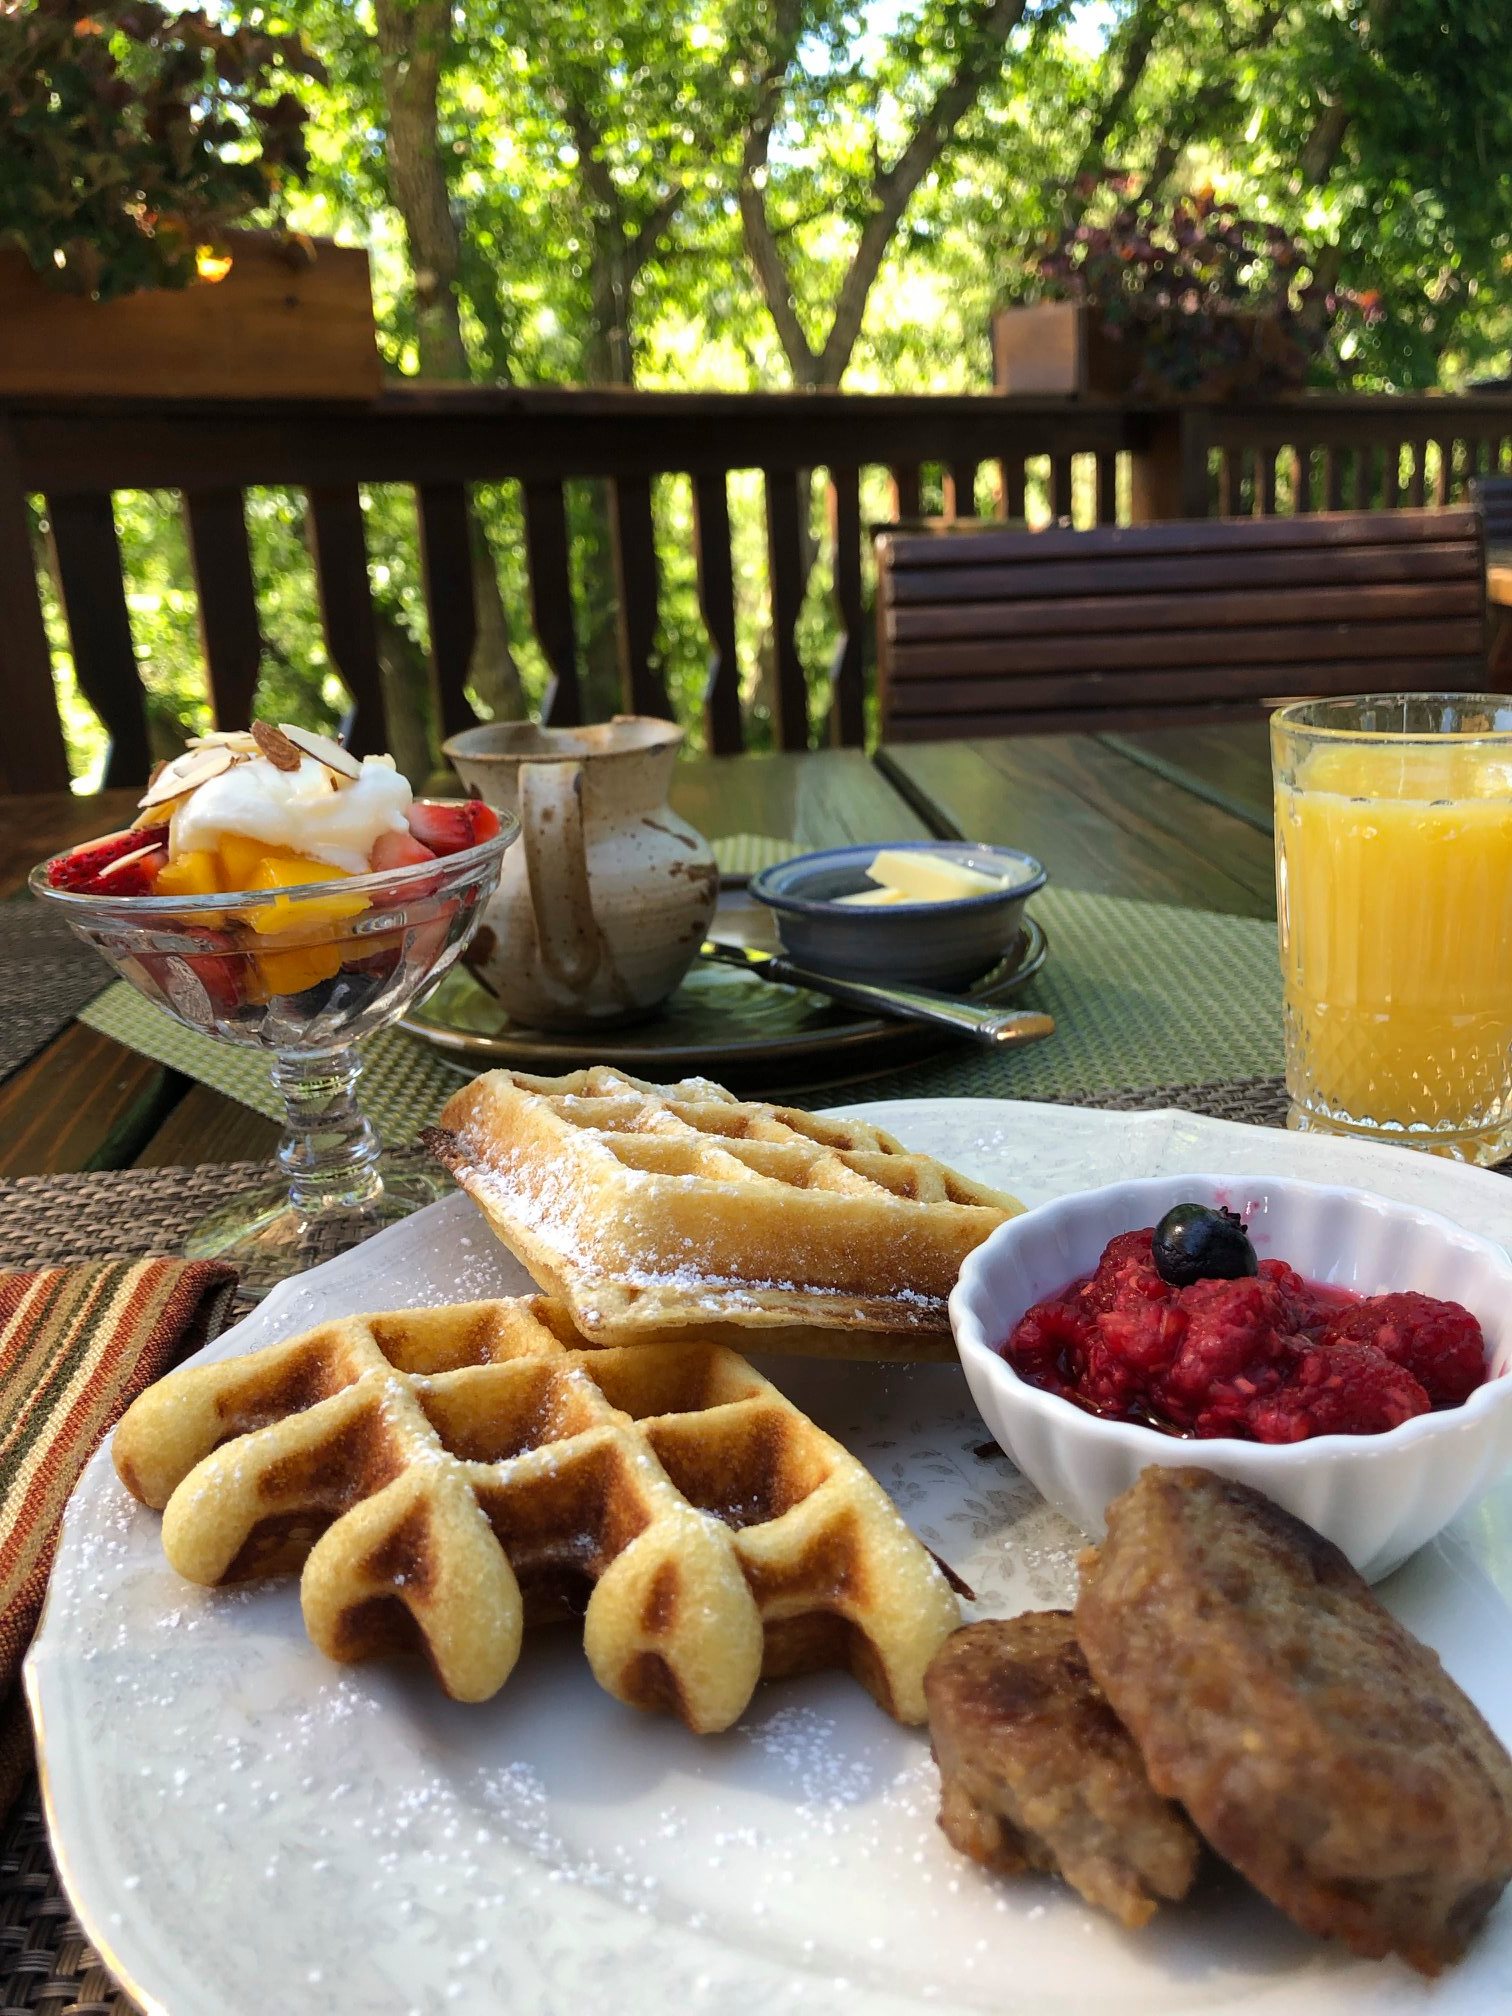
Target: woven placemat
1142, 994
46, 976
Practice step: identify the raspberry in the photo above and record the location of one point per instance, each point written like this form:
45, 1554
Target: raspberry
1130, 1349
1237, 1346
1126, 1268
1439, 1343
1338, 1389
1309, 1312
1050, 1346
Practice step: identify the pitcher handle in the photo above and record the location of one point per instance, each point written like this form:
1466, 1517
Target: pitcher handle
556, 867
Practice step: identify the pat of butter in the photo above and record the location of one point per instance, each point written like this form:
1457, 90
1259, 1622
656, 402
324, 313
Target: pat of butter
929, 878
871, 898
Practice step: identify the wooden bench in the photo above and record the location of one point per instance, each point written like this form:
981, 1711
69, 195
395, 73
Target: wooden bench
1121, 627
1492, 496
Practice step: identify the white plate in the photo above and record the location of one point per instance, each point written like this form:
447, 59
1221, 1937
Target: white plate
244, 1827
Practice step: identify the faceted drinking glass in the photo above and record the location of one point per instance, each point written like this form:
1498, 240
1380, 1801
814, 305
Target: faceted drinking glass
1394, 894
301, 974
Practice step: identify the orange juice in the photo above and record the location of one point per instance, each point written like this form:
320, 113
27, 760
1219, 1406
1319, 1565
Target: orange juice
1394, 891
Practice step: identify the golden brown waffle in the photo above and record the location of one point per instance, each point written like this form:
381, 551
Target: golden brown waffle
665, 1210
447, 1476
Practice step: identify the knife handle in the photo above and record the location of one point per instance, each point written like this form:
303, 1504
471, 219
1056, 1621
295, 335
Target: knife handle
996, 1027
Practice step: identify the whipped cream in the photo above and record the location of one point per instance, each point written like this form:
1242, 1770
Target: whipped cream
306, 811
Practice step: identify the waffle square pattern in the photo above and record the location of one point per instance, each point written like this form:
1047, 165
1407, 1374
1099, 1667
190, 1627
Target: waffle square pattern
659, 1210
446, 1476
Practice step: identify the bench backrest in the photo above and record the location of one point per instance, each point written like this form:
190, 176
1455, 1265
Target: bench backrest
1020, 632
1493, 494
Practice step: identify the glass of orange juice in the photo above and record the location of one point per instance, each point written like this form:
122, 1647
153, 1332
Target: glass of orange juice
1394, 894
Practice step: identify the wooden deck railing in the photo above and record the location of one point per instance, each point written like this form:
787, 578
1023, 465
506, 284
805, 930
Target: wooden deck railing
1062, 456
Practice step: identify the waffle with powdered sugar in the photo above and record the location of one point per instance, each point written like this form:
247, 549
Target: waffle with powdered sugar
444, 1477
666, 1210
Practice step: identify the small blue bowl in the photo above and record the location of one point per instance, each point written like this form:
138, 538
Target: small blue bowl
923, 944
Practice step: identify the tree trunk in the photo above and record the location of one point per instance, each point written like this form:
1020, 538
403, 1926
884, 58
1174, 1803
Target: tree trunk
412, 38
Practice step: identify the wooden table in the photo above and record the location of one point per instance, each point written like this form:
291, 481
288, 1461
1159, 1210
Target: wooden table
1177, 816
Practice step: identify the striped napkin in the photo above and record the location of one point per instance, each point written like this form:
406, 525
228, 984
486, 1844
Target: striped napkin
77, 1345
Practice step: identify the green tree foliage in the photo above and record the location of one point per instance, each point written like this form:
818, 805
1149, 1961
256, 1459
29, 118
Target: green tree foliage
133, 135
744, 193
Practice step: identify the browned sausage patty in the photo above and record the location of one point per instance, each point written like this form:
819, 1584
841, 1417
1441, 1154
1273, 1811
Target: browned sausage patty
1316, 1744
1037, 1772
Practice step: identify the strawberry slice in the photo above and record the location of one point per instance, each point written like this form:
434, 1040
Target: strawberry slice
82, 867
132, 874
448, 829
398, 850
199, 987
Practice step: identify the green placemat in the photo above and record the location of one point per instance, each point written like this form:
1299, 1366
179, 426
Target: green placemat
1142, 994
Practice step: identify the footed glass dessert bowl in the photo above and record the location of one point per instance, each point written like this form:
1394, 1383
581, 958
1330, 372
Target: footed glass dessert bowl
302, 971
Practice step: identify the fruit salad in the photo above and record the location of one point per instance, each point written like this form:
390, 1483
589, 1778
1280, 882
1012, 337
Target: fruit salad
249, 815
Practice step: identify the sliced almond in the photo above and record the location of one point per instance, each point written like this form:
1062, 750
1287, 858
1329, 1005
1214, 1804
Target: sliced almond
323, 749
276, 746
185, 774
238, 740
155, 815
125, 860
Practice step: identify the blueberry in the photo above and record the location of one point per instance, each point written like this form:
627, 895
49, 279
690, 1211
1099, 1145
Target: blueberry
1194, 1243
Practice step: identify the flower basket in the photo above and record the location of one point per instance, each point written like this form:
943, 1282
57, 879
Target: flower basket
290, 319
1059, 348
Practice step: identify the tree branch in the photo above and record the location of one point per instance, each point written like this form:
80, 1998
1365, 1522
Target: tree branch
619, 252
411, 43
1139, 45
1205, 103
894, 187
1324, 144
756, 225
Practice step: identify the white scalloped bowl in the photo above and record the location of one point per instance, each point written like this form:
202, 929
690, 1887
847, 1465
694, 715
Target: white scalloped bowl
1378, 1497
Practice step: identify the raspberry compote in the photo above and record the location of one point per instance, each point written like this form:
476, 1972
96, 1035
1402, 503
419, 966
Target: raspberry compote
1266, 1357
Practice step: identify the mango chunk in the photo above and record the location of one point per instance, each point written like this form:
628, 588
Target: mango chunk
240, 859
305, 966
297, 871
193, 874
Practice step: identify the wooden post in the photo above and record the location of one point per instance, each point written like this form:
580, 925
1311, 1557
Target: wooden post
32, 756
1169, 465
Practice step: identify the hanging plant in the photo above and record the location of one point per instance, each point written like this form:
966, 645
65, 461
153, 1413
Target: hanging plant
131, 138
1210, 301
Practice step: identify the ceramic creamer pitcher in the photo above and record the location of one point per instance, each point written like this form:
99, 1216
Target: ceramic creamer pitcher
602, 906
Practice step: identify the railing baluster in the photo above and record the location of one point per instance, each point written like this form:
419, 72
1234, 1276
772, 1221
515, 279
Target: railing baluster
1364, 477
230, 629
847, 719
1417, 490
1302, 477
960, 490
446, 570
1265, 482
1230, 482
1443, 474
88, 559
1060, 486
549, 558
1105, 481
1013, 488
32, 756
338, 542
785, 567
906, 492
1333, 477
716, 598
638, 592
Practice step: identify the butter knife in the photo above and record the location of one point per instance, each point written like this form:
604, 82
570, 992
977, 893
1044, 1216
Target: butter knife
996, 1027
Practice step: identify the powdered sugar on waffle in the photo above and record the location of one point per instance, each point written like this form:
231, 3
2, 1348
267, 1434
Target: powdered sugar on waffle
648, 1207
